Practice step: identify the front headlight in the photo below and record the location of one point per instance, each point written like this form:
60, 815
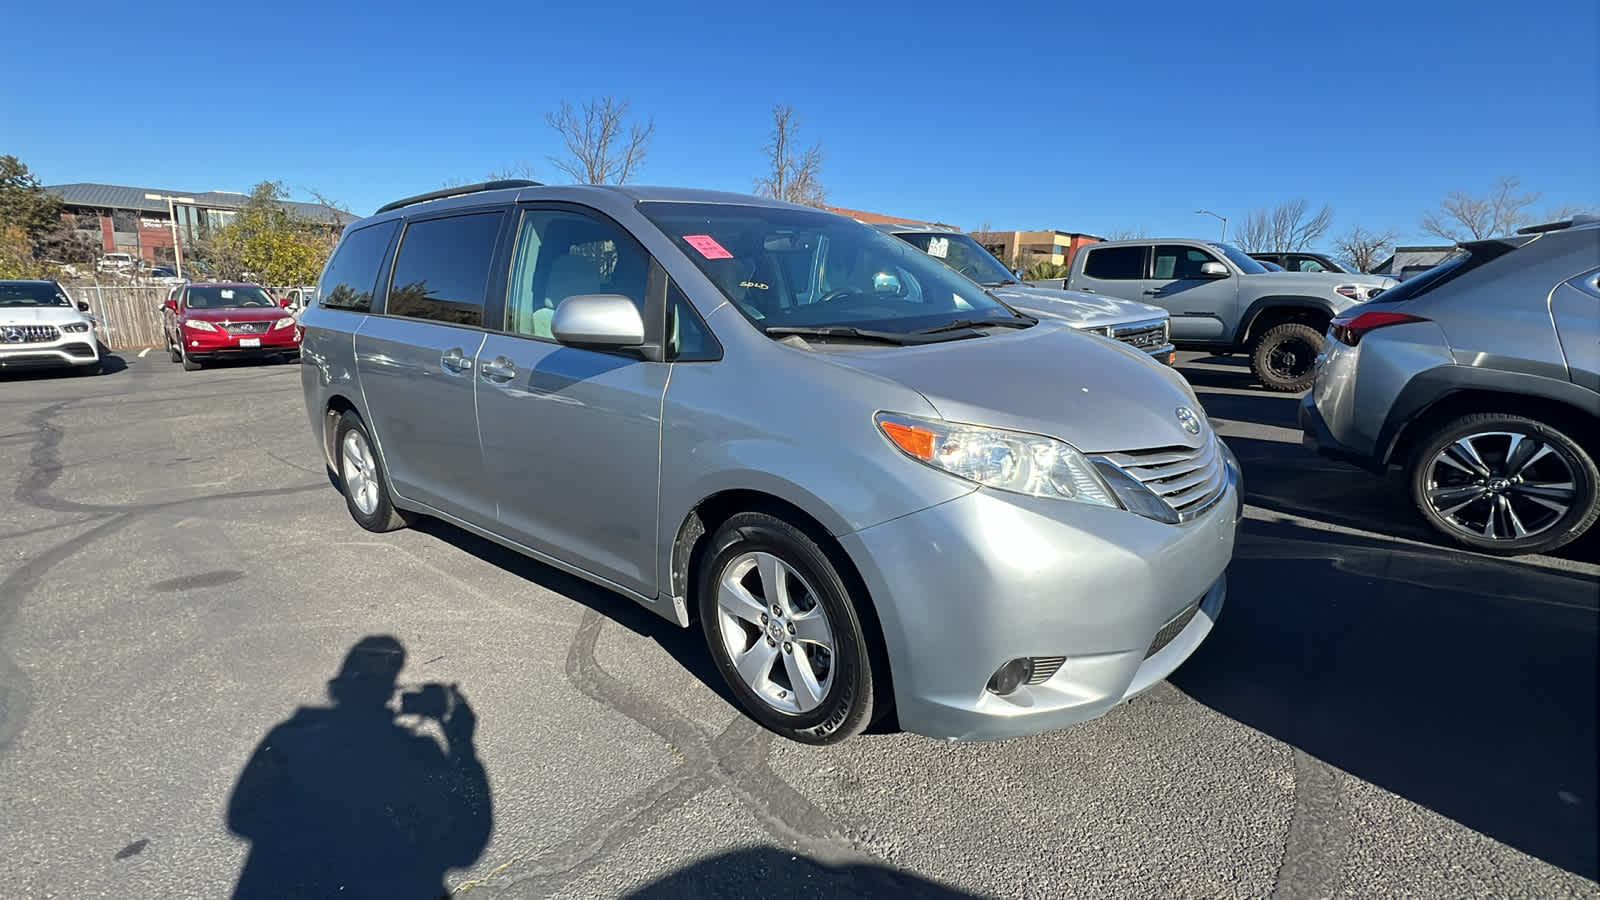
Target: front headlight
199, 325
1357, 292
75, 327
1015, 461
284, 322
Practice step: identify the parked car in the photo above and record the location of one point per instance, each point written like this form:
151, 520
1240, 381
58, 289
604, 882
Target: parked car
1271, 266
1222, 300
1481, 379
1138, 325
40, 326
830, 449
207, 321
164, 275
1301, 261
298, 298
121, 263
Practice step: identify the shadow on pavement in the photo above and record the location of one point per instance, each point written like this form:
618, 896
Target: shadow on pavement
353, 800
110, 364
774, 874
1463, 683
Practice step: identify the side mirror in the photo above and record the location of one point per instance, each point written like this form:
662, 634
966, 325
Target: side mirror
1018, 273
1213, 270
169, 305
83, 306
598, 322
285, 302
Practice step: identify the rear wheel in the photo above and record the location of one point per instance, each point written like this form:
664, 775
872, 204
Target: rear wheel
1505, 484
361, 475
1284, 357
785, 632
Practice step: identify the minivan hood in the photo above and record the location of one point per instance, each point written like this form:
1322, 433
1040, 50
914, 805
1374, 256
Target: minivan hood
39, 315
1095, 394
1077, 308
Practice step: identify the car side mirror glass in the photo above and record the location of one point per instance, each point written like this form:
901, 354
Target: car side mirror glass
1213, 270
83, 306
598, 322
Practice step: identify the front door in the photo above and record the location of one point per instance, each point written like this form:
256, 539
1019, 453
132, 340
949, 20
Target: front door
571, 437
417, 362
1200, 305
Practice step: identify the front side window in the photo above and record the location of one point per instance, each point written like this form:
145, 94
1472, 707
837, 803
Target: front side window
965, 255
352, 274
560, 254
1307, 264
1239, 258
216, 296
1115, 263
441, 271
1179, 263
803, 269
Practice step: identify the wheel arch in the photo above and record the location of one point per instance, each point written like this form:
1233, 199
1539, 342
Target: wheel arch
1438, 396
1269, 312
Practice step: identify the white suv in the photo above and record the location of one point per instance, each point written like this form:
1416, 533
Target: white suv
41, 326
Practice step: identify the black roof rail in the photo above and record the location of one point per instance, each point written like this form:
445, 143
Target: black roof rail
458, 191
1573, 222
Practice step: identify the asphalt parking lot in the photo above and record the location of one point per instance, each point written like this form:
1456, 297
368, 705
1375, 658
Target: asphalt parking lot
1375, 715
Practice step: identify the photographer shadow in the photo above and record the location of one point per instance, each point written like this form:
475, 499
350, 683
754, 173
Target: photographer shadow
348, 800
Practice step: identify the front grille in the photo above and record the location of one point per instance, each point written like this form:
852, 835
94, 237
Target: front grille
1172, 629
1190, 480
1045, 668
28, 334
248, 327
1145, 336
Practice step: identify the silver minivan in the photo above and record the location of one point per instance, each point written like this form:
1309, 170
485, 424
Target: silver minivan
876, 487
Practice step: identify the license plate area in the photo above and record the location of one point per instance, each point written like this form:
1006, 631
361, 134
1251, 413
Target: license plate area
249, 342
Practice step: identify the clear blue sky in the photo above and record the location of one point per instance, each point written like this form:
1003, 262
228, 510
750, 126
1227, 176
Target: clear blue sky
1107, 116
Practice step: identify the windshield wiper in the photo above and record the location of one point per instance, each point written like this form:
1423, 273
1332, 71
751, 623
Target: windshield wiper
963, 324
840, 331
1000, 283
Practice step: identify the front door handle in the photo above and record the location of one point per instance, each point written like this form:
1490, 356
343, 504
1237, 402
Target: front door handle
454, 361
1154, 293
499, 369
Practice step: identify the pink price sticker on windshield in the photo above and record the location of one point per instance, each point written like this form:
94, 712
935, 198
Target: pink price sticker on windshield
708, 246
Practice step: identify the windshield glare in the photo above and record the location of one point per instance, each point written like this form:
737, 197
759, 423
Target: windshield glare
963, 254
799, 268
32, 294
1240, 258
220, 297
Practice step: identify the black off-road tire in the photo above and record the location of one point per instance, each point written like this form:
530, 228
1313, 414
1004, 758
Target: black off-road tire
1284, 357
852, 701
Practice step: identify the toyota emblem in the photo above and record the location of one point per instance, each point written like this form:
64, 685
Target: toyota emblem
1189, 421
11, 336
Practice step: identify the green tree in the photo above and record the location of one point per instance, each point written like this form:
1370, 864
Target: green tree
264, 242
28, 215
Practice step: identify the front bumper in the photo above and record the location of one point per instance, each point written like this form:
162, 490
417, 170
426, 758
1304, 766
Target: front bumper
70, 350
223, 345
965, 586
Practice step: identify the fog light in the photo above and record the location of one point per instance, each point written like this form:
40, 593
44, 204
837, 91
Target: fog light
1010, 676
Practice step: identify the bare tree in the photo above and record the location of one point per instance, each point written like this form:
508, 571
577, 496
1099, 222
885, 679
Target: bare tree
795, 177
520, 169
1365, 249
1282, 228
1565, 212
603, 146
1462, 216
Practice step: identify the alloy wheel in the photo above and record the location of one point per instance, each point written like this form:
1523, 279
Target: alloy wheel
776, 632
359, 472
1500, 485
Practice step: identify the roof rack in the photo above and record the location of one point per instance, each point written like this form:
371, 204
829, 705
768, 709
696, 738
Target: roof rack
458, 191
1561, 225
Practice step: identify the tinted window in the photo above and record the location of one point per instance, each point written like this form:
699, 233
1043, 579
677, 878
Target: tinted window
560, 254
441, 270
352, 274
1115, 263
1173, 261
32, 293
1307, 264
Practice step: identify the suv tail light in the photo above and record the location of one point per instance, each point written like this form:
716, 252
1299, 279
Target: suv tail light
1349, 329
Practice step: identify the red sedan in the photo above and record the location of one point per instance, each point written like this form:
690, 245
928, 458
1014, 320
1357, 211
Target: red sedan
227, 320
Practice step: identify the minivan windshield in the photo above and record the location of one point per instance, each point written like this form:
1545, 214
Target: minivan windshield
962, 253
1240, 258
799, 270
226, 297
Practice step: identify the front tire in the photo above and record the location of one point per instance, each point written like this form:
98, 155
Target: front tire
173, 351
1284, 357
785, 632
1505, 484
361, 476
190, 364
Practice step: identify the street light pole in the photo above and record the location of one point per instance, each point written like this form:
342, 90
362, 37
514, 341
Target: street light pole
1207, 212
172, 219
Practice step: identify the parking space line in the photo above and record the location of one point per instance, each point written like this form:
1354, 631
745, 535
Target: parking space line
143, 352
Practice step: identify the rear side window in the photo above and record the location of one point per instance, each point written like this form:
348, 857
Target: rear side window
441, 271
352, 274
1115, 263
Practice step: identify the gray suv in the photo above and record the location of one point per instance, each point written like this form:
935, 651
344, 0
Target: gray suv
873, 485
1481, 377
